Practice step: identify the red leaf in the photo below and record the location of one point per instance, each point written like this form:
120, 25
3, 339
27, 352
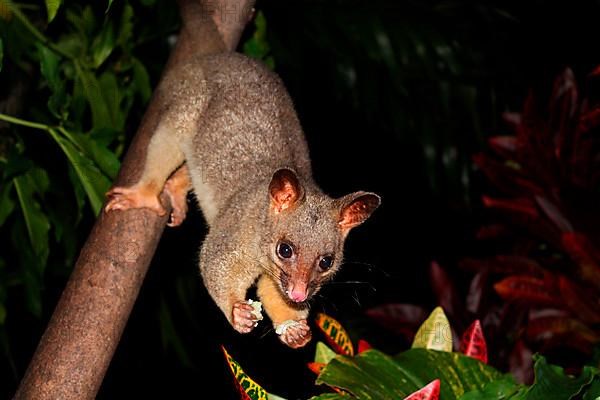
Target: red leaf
429, 392
316, 367
555, 215
444, 289
504, 145
579, 300
402, 319
529, 290
521, 205
544, 328
493, 231
363, 345
505, 264
473, 343
562, 110
584, 254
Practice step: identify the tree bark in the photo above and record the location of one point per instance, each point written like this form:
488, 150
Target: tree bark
82, 335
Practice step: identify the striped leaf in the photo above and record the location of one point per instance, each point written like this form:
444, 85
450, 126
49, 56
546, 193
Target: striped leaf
335, 334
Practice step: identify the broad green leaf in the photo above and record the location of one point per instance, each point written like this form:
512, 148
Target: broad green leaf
78, 191
91, 88
593, 392
104, 158
247, 387
36, 222
126, 27
374, 375
52, 7
335, 334
49, 66
500, 389
103, 44
93, 181
323, 354
330, 396
435, 333
141, 81
112, 96
551, 383
7, 204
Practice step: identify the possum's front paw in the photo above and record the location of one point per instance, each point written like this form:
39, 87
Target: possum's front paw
295, 334
244, 318
123, 198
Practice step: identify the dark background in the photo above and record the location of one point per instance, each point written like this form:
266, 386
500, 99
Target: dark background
395, 97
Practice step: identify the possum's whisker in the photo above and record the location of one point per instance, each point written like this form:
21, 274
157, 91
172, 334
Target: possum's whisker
368, 266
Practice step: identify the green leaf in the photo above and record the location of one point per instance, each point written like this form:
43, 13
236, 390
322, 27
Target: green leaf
103, 44
52, 7
105, 159
112, 95
435, 333
91, 89
374, 375
593, 392
257, 46
108, 6
28, 188
323, 354
271, 396
503, 388
50, 68
330, 396
126, 27
141, 81
93, 181
7, 204
551, 383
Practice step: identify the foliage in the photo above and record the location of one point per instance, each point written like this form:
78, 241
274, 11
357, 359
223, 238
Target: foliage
427, 373
74, 80
546, 270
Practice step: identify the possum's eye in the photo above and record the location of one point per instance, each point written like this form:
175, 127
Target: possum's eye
285, 250
325, 263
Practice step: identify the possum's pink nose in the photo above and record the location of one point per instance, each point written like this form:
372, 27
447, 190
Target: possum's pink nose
298, 293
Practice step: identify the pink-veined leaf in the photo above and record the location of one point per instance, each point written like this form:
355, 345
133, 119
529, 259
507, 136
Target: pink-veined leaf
430, 392
473, 343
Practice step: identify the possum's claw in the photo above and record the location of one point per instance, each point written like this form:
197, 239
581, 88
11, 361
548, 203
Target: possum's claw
125, 198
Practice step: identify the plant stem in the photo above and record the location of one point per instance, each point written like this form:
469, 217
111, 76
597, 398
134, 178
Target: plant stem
22, 122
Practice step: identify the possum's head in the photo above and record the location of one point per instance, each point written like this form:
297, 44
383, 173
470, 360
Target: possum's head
306, 233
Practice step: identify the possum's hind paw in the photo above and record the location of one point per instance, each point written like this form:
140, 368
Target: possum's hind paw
123, 198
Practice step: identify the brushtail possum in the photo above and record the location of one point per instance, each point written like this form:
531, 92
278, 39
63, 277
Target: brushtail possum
229, 132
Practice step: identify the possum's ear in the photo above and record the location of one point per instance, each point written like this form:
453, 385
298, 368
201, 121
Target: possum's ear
285, 190
356, 208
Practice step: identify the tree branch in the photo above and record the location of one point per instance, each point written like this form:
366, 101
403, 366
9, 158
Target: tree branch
82, 335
